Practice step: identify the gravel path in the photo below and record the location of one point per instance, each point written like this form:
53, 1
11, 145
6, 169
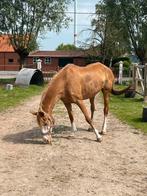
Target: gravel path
75, 165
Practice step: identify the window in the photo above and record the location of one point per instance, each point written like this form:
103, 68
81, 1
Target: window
35, 60
47, 60
10, 60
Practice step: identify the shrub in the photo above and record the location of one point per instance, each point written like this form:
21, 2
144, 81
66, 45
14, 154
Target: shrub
126, 66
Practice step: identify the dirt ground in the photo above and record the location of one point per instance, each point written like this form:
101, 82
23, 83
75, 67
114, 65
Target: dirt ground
75, 165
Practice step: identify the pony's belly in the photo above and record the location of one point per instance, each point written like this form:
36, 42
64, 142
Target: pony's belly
89, 92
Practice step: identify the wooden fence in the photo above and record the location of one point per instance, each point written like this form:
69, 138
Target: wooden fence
140, 80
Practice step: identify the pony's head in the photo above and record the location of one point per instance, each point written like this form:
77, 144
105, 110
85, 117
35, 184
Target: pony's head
46, 123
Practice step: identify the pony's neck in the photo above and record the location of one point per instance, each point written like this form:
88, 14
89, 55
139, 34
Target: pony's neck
49, 99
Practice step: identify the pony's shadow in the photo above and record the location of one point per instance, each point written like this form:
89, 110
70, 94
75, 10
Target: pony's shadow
34, 136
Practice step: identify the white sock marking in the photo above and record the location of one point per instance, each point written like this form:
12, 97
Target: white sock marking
97, 134
104, 125
74, 128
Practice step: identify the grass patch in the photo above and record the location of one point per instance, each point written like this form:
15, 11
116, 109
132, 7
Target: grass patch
129, 110
9, 98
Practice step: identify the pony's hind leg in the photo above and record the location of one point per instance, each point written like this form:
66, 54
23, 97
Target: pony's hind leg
83, 108
70, 113
92, 107
106, 95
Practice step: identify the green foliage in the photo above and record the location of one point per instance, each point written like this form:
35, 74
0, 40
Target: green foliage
67, 47
23, 21
126, 65
134, 16
7, 81
9, 98
93, 59
120, 26
108, 30
115, 60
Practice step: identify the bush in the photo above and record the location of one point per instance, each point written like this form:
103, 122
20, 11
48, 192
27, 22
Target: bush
126, 66
118, 59
7, 81
94, 59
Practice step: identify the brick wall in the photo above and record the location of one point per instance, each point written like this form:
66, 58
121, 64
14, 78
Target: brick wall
52, 66
9, 61
79, 61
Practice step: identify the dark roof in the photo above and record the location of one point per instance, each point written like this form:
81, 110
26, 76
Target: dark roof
57, 53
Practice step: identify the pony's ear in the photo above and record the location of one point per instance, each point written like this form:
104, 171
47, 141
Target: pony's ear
34, 113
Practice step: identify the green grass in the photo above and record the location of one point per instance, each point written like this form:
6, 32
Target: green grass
129, 110
9, 98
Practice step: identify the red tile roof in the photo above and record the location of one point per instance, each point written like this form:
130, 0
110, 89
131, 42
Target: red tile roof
58, 53
5, 45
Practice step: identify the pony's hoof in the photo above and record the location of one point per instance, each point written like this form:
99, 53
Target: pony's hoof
103, 133
99, 139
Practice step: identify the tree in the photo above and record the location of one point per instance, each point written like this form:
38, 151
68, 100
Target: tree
24, 20
107, 30
120, 26
66, 47
134, 14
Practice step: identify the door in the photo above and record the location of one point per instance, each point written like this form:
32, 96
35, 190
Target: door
64, 61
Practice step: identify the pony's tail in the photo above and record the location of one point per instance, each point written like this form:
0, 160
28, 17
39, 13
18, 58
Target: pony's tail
119, 92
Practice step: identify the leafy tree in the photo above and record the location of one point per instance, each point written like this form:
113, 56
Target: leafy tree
66, 47
24, 20
107, 30
120, 26
134, 14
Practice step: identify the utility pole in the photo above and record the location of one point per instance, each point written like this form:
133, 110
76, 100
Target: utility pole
75, 22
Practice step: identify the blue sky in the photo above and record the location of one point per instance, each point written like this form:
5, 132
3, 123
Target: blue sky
51, 40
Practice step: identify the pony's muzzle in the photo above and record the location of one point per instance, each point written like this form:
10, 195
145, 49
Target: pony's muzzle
46, 132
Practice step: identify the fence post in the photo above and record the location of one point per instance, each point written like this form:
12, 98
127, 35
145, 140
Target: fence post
39, 65
145, 83
134, 76
144, 113
120, 72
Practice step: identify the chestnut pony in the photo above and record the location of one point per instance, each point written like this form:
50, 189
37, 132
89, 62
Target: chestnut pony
73, 84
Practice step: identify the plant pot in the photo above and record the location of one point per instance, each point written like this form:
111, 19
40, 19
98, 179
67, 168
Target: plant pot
144, 114
130, 93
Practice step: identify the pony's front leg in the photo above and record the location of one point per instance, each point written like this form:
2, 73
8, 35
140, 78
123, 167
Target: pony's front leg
104, 127
70, 113
92, 108
88, 119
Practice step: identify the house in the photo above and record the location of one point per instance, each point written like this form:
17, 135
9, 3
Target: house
55, 60
9, 59
50, 60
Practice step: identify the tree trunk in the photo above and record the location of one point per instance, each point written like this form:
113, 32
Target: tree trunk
22, 61
23, 53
